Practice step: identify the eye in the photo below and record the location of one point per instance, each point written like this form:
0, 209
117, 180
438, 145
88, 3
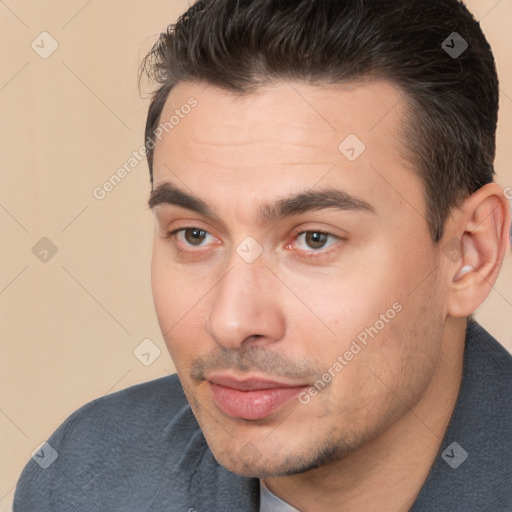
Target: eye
190, 236
315, 240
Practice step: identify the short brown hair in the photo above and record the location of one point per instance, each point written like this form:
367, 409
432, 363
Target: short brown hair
240, 45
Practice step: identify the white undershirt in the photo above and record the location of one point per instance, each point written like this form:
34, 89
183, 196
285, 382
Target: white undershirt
269, 502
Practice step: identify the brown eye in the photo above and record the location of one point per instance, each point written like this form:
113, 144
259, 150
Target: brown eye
314, 242
315, 239
194, 236
188, 239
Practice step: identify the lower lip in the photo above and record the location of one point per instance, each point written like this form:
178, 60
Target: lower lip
252, 405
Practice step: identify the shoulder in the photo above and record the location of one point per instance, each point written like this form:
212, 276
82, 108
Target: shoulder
472, 470
128, 414
112, 446
487, 376
484, 409
142, 404
483, 413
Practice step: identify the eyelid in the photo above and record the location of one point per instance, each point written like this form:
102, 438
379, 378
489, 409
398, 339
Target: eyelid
173, 233
314, 252
295, 235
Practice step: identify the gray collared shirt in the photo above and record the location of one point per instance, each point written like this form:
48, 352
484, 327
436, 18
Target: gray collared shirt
269, 502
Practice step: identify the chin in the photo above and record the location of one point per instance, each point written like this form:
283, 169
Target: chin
250, 462
258, 469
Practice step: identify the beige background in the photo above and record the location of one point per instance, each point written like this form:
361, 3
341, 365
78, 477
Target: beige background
69, 325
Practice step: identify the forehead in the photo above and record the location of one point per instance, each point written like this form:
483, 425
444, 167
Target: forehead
290, 118
286, 136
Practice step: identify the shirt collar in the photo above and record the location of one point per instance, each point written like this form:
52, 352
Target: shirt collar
269, 502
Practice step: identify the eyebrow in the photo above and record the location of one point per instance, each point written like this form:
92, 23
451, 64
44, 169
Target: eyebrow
302, 202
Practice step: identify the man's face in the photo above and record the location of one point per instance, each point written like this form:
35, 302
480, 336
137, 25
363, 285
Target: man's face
299, 329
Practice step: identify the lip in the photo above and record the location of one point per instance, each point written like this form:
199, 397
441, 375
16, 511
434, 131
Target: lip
248, 384
251, 398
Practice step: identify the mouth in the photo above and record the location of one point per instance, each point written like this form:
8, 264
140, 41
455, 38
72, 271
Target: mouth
251, 398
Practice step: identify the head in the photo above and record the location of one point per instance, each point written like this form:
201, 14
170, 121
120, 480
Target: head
327, 175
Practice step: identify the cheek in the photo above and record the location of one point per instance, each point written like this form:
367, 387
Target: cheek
399, 361
181, 306
170, 300
162, 286
379, 381
352, 304
387, 335
174, 292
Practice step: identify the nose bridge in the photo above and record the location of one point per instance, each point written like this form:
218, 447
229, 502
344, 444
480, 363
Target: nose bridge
245, 304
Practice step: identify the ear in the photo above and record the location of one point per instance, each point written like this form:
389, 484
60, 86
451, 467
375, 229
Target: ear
479, 235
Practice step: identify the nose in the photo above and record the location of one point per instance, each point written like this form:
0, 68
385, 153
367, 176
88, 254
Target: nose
245, 307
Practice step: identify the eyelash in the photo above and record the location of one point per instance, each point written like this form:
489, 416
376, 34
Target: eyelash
312, 253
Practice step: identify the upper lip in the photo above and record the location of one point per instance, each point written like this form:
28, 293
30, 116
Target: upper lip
249, 384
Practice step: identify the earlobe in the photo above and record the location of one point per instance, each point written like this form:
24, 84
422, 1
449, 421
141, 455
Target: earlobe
483, 223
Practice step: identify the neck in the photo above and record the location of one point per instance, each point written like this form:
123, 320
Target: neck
389, 471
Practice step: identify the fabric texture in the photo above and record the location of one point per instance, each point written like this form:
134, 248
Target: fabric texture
269, 502
141, 450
